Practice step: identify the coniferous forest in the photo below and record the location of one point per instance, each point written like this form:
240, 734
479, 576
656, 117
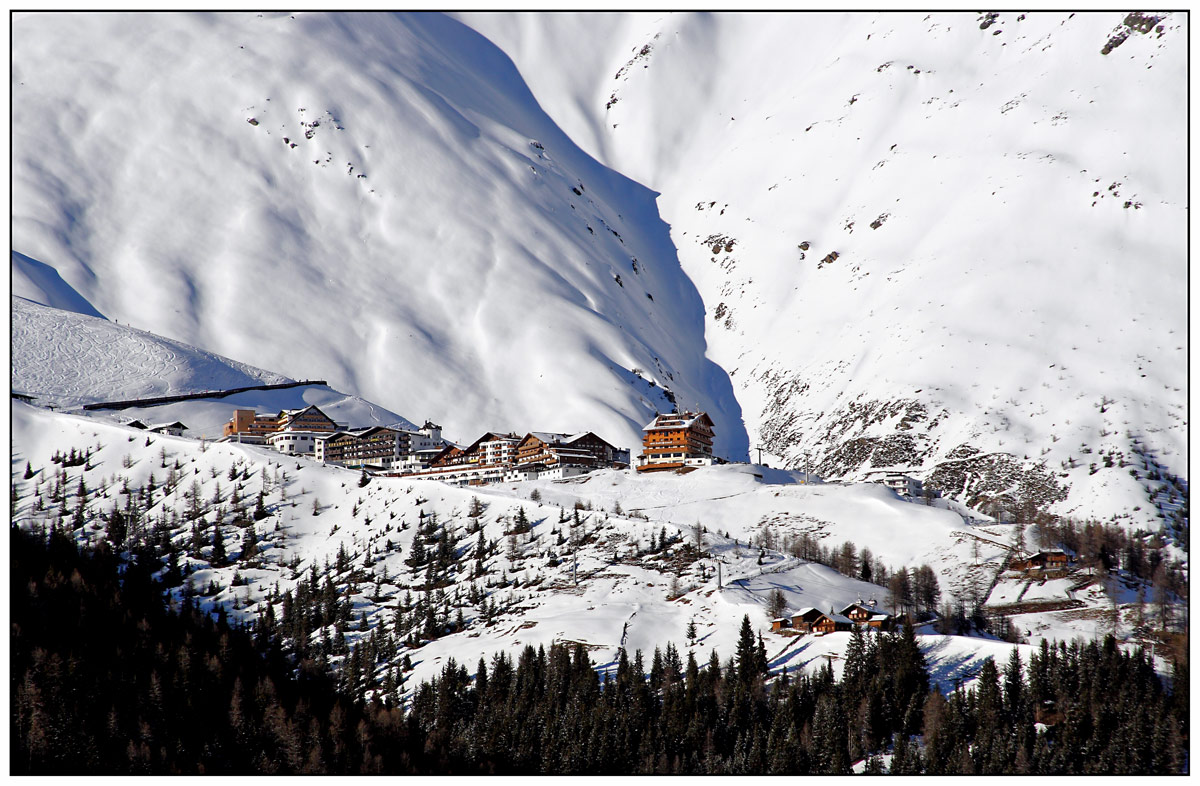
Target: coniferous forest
108, 677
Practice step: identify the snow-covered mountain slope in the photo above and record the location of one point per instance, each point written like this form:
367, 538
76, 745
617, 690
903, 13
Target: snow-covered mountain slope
754, 504
627, 592
374, 200
66, 360
954, 243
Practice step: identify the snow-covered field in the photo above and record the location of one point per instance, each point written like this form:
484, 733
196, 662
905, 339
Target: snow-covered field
748, 501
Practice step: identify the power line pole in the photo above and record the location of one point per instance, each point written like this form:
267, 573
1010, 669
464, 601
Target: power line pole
759, 449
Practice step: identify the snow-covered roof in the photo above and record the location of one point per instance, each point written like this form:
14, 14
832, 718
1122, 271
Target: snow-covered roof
157, 426
550, 436
676, 420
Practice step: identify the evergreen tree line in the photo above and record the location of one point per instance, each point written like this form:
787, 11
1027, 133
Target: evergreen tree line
108, 678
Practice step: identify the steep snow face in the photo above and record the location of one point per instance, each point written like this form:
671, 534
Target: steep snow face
375, 200
922, 240
41, 283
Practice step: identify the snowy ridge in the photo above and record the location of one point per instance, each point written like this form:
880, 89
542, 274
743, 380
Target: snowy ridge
69, 359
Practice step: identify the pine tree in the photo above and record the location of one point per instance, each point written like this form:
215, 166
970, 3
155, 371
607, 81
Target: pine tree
746, 654
1013, 686
117, 530
218, 551
249, 543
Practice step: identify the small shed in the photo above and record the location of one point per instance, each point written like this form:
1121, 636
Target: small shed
780, 623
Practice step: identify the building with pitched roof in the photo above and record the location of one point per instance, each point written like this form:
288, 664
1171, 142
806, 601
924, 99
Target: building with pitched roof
677, 441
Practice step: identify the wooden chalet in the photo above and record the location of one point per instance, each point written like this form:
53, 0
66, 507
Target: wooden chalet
780, 623
1047, 713
867, 616
309, 418
451, 456
547, 449
1042, 560
248, 423
676, 441
804, 619
831, 623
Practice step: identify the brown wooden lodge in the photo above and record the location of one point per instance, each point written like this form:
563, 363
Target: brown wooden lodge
677, 441
1042, 560
815, 621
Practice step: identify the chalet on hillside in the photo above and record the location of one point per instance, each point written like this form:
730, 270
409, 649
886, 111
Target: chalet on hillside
450, 456
867, 616
248, 426
831, 623
780, 623
803, 620
547, 449
1042, 560
677, 441
174, 428
309, 418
